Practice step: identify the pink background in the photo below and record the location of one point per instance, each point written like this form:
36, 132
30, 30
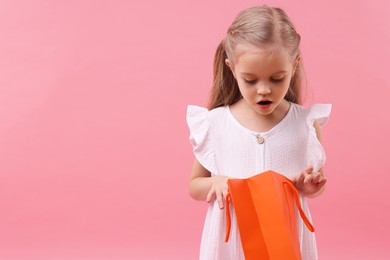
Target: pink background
94, 150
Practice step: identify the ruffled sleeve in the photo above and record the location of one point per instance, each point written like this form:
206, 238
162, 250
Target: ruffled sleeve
199, 125
316, 154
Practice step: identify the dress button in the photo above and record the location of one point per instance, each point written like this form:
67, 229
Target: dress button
260, 139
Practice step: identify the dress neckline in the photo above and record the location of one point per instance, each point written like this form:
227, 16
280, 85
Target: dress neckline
278, 125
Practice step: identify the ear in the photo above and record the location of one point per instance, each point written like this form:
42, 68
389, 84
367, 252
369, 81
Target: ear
231, 67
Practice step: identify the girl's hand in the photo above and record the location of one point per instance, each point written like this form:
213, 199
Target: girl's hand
219, 190
310, 183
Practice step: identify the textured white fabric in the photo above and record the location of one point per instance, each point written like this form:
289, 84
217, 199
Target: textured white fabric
225, 147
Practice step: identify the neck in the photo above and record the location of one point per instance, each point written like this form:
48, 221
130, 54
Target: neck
254, 121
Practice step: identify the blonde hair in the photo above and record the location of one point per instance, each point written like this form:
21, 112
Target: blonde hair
260, 26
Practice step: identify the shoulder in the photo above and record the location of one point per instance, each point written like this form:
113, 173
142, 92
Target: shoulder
199, 120
195, 108
217, 113
318, 114
198, 113
315, 112
317, 117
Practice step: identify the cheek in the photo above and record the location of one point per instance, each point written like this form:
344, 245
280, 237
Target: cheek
243, 90
248, 93
284, 86
284, 89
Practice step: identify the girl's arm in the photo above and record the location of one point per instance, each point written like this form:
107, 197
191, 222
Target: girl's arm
310, 183
205, 187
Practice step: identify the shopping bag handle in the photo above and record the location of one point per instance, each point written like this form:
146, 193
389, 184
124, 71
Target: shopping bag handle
228, 220
299, 205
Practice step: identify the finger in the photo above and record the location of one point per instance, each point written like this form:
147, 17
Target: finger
317, 178
308, 179
220, 199
210, 195
307, 173
299, 180
322, 183
225, 192
309, 169
301, 177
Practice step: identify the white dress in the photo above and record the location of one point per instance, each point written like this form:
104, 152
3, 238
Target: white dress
225, 147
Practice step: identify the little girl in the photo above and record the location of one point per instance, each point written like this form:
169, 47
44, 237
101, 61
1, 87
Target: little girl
255, 123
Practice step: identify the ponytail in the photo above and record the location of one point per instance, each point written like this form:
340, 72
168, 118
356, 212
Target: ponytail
294, 91
225, 89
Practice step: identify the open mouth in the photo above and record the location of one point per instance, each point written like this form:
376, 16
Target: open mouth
264, 103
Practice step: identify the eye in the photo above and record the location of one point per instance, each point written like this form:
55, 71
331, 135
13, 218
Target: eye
251, 82
277, 80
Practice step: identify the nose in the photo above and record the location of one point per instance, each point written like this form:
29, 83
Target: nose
263, 89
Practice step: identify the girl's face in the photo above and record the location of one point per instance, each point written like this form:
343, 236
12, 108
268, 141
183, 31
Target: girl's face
263, 77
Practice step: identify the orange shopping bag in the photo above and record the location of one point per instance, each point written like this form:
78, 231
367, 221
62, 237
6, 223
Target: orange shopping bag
266, 216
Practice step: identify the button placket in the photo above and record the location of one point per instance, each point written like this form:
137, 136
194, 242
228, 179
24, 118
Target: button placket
260, 152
